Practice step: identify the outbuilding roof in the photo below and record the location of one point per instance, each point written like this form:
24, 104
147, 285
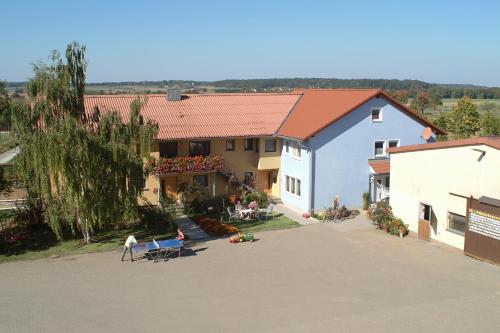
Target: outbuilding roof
380, 166
492, 141
205, 115
318, 108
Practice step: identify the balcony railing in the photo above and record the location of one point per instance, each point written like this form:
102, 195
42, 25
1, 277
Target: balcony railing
186, 164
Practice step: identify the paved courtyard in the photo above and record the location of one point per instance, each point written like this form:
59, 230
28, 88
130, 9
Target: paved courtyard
317, 278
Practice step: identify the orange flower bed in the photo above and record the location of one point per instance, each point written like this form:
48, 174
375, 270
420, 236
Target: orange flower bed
213, 227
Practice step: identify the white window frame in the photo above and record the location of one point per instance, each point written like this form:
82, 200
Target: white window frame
380, 115
384, 154
293, 186
295, 150
393, 141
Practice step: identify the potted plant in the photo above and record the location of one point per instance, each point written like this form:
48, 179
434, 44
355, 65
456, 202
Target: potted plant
232, 189
403, 230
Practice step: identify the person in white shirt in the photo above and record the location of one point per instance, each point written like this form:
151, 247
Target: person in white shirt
129, 243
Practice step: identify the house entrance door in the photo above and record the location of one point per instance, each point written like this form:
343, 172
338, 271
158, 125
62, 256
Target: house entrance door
169, 187
424, 222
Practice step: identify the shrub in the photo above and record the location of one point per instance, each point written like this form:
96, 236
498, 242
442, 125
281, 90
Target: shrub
154, 217
383, 217
381, 214
365, 200
213, 227
260, 198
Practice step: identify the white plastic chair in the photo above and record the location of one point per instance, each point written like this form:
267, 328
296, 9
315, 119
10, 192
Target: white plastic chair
233, 214
269, 211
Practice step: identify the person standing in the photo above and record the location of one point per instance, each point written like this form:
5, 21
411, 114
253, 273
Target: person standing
129, 243
180, 234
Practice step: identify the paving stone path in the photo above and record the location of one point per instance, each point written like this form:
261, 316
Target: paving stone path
190, 229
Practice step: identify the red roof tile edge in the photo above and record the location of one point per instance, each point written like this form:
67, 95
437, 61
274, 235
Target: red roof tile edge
377, 92
380, 166
493, 142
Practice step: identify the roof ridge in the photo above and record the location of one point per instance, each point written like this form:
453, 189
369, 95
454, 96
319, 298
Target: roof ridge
337, 89
195, 95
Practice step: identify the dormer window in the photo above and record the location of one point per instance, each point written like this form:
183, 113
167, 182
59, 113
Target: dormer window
376, 115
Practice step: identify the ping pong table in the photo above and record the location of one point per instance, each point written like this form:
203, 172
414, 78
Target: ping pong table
160, 250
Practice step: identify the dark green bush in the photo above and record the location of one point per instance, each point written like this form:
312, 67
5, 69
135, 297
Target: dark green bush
260, 198
382, 214
154, 217
365, 200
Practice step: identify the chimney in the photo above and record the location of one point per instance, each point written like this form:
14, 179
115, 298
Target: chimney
173, 94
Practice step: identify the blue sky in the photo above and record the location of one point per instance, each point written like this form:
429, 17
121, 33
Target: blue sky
436, 41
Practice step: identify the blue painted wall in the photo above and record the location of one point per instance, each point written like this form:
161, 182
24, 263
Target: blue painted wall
342, 150
298, 168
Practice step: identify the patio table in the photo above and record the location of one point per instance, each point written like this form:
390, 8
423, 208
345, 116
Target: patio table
248, 213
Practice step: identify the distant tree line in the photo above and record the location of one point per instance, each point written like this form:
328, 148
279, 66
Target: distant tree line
412, 87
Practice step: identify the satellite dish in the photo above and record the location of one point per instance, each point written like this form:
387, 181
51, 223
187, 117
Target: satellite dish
427, 133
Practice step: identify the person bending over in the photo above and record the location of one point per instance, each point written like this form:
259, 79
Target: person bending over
129, 243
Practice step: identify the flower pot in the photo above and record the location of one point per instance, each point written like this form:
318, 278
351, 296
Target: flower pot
232, 199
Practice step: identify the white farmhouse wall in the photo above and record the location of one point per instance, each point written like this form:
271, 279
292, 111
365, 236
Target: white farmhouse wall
429, 176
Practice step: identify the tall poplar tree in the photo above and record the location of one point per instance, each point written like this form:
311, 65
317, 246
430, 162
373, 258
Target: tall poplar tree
85, 171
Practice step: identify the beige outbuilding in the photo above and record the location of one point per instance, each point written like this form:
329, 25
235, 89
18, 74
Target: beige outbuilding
431, 185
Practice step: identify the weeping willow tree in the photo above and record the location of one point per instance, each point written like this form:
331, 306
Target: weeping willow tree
85, 171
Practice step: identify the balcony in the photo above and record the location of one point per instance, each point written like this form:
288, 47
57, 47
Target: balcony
186, 164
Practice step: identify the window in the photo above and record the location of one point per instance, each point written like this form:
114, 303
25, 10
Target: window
387, 181
168, 149
287, 146
393, 143
376, 114
248, 144
257, 145
425, 212
229, 145
293, 148
270, 145
201, 180
292, 185
456, 223
379, 148
197, 148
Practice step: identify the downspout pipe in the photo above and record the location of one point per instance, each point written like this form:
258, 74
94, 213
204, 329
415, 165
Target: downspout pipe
311, 180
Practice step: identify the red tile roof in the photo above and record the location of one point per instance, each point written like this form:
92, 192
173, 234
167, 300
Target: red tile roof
380, 166
318, 108
205, 115
492, 141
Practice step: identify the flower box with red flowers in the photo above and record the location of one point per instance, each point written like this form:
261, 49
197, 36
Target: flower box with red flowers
186, 164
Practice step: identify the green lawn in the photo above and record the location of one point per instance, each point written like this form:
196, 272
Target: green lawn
38, 246
6, 142
278, 222
40, 242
